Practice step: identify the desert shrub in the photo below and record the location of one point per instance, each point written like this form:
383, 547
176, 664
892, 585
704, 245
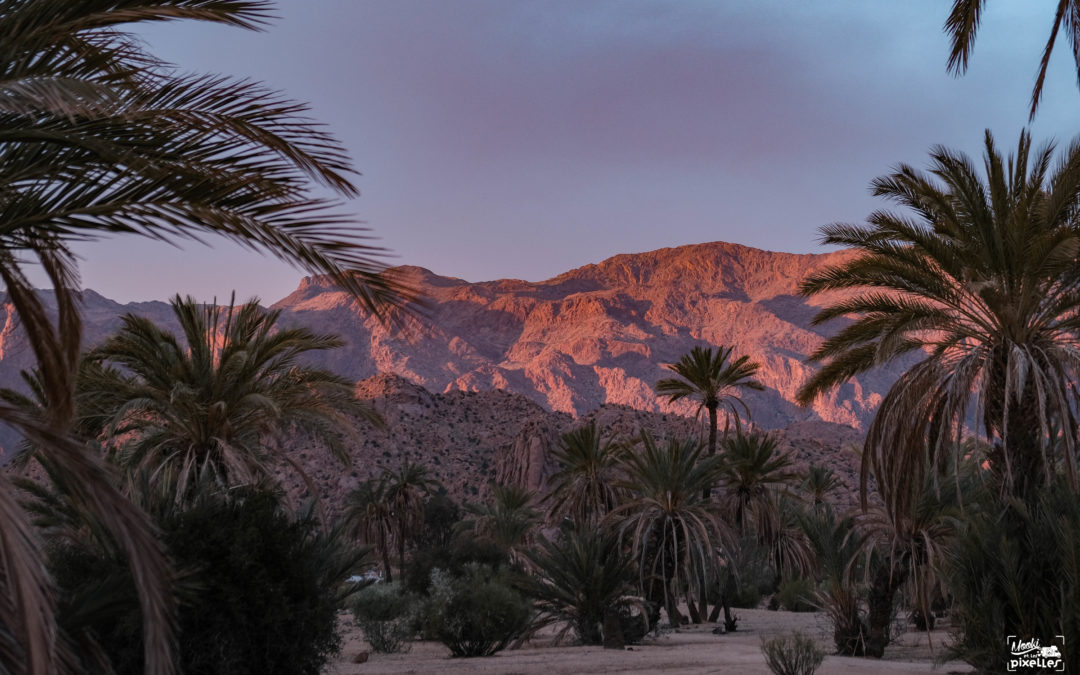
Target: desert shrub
259, 591
747, 596
797, 595
384, 613
850, 629
453, 559
793, 654
1016, 571
477, 614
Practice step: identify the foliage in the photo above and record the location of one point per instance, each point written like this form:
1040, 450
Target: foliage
981, 290
1016, 571
963, 23
219, 401
793, 654
271, 587
453, 560
507, 520
441, 514
384, 613
99, 137
370, 518
840, 598
672, 531
478, 614
797, 595
835, 541
714, 381
260, 590
404, 491
584, 488
819, 483
755, 479
581, 578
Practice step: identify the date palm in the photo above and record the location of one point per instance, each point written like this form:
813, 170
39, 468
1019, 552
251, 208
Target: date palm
754, 477
581, 578
405, 490
819, 483
963, 24
98, 137
223, 401
709, 378
370, 517
673, 532
754, 474
507, 519
980, 286
584, 488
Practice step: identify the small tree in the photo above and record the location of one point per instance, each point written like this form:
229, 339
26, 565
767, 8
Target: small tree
478, 614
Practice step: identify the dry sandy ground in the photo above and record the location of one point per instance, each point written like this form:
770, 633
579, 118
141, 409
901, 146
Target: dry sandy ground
689, 650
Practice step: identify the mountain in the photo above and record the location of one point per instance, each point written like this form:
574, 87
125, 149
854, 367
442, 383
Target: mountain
601, 334
596, 335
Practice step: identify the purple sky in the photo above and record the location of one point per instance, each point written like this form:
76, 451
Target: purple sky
504, 138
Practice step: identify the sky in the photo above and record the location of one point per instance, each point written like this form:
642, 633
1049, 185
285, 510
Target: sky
520, 139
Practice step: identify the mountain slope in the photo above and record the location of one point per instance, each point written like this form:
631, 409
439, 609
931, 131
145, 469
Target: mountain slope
600, 334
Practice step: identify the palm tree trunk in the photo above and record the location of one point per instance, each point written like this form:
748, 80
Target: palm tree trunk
385, 557
730, 621
886, 582
712, 445
401, 544
1017, 462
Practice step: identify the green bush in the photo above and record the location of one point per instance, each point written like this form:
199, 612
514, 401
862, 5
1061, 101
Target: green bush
385, 615
793, 654
259, 592
1016, 571
478, 614
797, 595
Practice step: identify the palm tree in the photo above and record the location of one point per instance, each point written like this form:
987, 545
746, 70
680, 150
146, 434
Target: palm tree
673, 532
371, 518
963, 24
584, 488
909, 545
99, 137
819, 483
222, 401
981, 288
405, 491
707, 376
507, 520
754, 476
582, 577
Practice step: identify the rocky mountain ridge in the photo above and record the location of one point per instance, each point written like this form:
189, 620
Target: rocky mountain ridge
601, 334
593, 336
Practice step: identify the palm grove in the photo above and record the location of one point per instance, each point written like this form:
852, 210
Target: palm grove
155, 521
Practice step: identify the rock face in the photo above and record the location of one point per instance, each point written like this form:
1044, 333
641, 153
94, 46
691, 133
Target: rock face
601, 334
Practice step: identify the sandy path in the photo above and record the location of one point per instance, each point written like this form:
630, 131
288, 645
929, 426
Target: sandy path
689, 650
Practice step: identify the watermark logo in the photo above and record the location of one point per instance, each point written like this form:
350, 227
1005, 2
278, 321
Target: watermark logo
1030, 653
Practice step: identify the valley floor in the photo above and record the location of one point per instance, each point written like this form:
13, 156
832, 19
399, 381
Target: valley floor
692, 649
